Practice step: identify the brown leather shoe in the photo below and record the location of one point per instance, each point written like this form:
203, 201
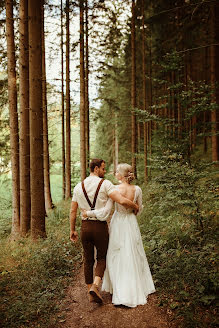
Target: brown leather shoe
91, 298
94, 292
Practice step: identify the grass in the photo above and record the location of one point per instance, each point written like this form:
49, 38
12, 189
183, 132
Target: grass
34, 275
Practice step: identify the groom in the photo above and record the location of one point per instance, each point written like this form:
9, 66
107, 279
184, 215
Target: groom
91, 194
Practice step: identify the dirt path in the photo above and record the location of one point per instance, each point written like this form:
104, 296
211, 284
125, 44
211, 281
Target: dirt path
79, 313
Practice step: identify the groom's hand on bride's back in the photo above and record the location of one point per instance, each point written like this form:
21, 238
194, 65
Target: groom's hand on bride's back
136, 210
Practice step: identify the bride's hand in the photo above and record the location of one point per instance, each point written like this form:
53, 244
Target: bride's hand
84, 213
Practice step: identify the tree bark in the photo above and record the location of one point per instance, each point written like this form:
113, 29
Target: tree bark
63, 107
179, 113
173, 103
68, 124
46, 165
150, 124
133, 90
14, 137
205, 114
36, 120
25, 209
214, 54
115, 144
82, 96
87, 115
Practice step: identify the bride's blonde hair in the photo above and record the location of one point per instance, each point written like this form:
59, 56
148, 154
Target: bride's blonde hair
126, 171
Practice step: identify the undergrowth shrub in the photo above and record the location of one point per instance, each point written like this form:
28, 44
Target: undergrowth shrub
179, 231
34, 275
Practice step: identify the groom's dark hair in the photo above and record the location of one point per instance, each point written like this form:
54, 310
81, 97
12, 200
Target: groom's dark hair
95, 162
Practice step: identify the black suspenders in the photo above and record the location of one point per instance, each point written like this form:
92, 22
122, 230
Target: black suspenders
92, 206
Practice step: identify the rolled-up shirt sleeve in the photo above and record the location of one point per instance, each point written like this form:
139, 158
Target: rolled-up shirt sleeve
109, 187
102, 213
74, 197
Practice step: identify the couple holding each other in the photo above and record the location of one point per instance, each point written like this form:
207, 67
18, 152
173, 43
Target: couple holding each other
120, 254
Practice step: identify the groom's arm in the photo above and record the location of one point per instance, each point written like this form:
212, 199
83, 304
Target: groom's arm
72, 217
118, 198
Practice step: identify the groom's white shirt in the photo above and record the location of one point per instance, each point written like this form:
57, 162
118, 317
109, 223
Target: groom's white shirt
91, 184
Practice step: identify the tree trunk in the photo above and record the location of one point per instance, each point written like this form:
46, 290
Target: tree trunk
87, 116
68, 126
36, 120
150, 124
173, 103
194, 131
46, 166
179, 113
205, 114
14, 137
82, 96
214, 54
115, 145
165, 100
63, 108
24, 120
133, 89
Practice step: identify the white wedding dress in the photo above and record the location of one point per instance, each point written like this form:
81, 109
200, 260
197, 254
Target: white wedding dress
127, 276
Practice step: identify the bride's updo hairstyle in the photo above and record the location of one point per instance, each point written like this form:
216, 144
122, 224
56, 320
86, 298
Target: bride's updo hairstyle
126, 171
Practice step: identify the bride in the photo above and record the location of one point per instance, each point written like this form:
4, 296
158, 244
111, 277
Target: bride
127, 276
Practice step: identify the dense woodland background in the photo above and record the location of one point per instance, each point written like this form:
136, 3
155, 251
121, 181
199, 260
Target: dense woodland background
137, 82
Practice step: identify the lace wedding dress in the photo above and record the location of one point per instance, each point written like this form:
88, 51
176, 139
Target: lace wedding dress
127, 276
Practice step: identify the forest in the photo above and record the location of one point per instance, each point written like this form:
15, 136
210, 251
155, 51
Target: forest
129, 81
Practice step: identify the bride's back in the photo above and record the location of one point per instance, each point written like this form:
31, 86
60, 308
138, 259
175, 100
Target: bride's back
127, 191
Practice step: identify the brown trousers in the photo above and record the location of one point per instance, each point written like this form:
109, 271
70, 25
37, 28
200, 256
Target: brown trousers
94, 233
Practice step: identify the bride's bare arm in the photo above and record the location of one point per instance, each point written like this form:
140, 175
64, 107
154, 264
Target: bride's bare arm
118, 198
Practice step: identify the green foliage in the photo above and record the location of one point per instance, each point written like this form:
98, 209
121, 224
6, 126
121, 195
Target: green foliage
34, 275
5, 205
179, 229
4, 125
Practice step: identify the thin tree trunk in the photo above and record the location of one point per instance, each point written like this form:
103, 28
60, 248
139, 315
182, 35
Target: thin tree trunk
204, 131
194, 131
14, 137
173, 103
25, 210
115, 145
188, 78
205, 114
187, 120
68, 127
179, 113
87, 116
165, 103
133, 89
138, 127
214, 53
139, 137
63, 108
150, 127
46, 166
82, 95
169, 103
36, 120
145, 124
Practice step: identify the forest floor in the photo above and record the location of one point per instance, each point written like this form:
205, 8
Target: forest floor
78, 312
